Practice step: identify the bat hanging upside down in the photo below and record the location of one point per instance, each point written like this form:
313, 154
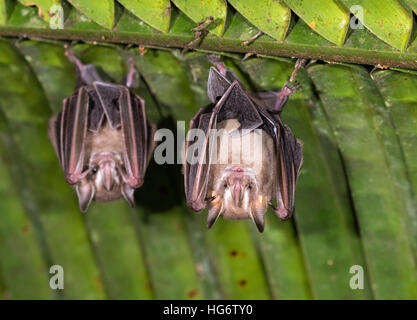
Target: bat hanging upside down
253, 158
101, 137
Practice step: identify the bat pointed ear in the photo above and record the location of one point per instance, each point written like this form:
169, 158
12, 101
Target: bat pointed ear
258, 219
213, 213
259, 222
85, 193
128, 193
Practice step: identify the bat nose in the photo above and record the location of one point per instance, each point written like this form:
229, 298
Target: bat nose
237, 193
107, 169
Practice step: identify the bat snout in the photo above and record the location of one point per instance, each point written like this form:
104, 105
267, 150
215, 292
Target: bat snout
108, 171
239, 185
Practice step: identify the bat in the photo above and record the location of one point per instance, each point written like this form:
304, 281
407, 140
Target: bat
269, 156
101, 137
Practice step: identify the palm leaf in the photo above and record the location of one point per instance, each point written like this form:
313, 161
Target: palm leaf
355, 198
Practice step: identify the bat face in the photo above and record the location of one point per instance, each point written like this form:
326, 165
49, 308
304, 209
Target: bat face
242, 179
104, 162
256, 159
102, 138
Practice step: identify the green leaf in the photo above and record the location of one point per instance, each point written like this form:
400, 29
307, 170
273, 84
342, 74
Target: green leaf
3, 12
101, 12
114, 237
365, 139
391, 22
236, 261
412, 4
21, 260
54, 71
168, 82
167, 251
270, 16
22, 16
240, 28
46, 8
398, 90
281, 254
328, 18
156, 13
198, 11
323, 217
64, 237
6, 7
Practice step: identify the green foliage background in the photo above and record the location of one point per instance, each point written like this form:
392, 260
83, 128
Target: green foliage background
355, 202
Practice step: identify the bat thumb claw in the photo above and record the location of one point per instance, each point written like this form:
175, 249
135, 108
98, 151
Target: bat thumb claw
283, 213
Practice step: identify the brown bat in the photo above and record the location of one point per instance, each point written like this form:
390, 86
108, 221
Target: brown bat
101, 137
269, 156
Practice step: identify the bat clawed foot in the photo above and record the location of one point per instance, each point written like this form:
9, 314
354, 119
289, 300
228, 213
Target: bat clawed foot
73, 58
289, 88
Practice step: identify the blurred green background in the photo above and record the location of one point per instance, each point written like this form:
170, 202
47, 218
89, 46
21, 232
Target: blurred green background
355, 198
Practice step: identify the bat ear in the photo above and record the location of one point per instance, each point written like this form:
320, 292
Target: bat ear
257, 216
85, 193
213, 214
127, 193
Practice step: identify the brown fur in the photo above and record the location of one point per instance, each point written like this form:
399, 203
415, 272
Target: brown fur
262, 180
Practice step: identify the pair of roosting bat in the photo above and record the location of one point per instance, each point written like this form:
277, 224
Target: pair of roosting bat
104, 142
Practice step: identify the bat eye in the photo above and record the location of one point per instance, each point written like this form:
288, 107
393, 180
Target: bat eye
94, 170
225, 185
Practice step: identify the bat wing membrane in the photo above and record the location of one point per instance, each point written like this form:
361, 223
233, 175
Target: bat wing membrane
54, 126
233, 104
135, 136
217, 85
72, 133
108, 95
289, 157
